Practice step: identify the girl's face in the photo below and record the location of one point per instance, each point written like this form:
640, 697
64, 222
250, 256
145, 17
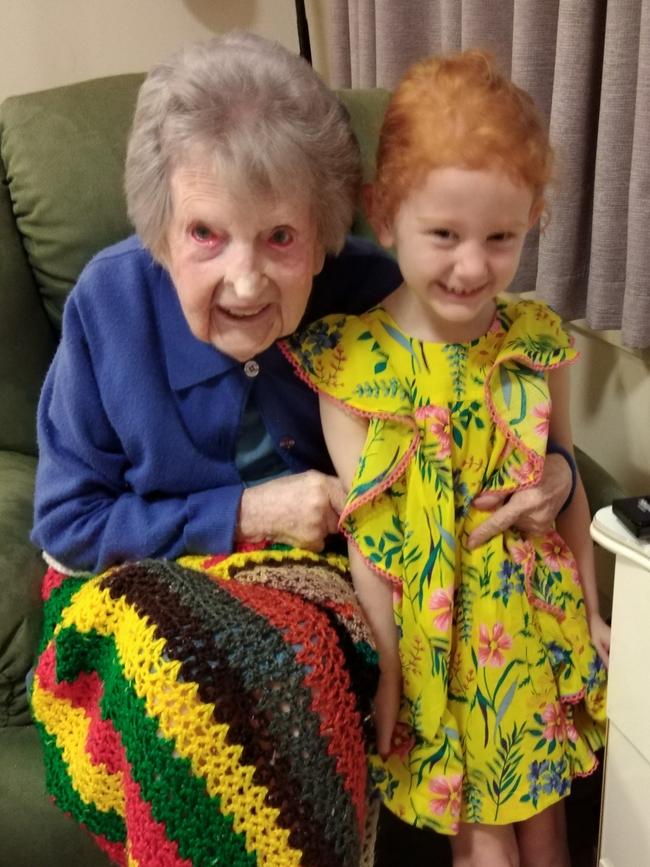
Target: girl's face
458, 238
242, 267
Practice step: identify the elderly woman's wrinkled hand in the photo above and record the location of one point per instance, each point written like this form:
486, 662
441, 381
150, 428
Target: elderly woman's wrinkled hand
532, 509
300, 510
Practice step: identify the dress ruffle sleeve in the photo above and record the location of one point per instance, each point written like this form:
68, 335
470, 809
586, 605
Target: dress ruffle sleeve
321, 355
517, 394
347, 359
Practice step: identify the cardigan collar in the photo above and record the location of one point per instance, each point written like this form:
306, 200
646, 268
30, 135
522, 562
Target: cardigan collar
189, 360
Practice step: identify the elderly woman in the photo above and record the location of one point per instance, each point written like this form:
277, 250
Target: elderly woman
205, 676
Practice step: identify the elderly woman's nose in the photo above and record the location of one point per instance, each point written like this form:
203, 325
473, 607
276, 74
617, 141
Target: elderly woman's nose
246, 284
244, 272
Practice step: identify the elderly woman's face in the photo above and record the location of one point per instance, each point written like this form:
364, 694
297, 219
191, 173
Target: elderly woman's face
243, 267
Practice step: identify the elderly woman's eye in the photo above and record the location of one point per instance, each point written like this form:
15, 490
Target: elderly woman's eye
202, 234
281, 237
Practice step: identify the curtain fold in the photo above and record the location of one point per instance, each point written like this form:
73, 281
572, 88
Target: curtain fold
563, 269
636, 302
587, 65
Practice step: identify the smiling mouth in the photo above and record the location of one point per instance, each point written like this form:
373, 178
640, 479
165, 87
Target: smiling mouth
242, 314
461, 293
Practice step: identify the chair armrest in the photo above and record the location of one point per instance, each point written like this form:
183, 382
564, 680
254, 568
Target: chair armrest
21, 570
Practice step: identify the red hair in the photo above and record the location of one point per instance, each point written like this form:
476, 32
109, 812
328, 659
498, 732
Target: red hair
458, 111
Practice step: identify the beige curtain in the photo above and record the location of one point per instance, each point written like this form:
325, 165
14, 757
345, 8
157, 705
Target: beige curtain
587, 64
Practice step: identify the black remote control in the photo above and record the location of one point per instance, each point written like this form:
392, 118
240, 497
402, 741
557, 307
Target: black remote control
634, 512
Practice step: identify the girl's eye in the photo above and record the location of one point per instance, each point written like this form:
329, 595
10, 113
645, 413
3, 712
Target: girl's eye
499, 237
281, 237
202, 234
441, 234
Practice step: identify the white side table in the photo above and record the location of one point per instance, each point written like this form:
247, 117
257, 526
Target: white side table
625, 818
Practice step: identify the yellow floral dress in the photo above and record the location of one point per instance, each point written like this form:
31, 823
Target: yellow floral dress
503, 692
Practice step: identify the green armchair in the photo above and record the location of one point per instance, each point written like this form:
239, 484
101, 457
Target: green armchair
62, 153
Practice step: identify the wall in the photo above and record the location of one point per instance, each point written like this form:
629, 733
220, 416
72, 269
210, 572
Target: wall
610, 419
610, 388
46, 43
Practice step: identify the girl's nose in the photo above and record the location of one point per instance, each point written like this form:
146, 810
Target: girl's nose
471, 265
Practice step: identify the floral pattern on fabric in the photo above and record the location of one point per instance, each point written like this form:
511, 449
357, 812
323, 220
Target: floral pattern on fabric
504, 694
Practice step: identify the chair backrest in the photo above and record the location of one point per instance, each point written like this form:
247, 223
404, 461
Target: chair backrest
61, 200
62, 154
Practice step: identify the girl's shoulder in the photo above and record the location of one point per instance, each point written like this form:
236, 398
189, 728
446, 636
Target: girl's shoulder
534, 331
528, 313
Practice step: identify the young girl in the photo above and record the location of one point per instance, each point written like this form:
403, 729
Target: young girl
492, 689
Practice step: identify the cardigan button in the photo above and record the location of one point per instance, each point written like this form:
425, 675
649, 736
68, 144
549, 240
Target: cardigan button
251, 368
287, 443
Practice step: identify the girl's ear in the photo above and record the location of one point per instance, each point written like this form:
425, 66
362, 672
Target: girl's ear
381, 230
385, 235
535, 213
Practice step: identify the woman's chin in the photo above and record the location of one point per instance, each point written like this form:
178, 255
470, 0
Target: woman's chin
242, 339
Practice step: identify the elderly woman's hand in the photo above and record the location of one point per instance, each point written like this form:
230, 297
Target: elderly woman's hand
532, 509
298, 510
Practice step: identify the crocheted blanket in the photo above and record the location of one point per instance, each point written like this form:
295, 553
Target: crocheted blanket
210, 710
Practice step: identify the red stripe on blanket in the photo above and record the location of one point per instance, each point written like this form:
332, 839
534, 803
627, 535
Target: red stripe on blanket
51, 580
103, 744
115, 851
328, 680
149, 844
345, 609
85, 690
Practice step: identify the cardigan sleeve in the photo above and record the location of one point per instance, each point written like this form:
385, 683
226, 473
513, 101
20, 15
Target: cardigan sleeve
86, 515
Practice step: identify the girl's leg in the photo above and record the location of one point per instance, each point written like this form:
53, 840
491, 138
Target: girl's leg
543, 840
485, 846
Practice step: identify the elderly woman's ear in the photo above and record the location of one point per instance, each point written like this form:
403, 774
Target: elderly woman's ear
160, 251
319, 257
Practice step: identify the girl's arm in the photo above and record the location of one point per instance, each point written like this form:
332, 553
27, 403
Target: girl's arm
573, 523
345, 435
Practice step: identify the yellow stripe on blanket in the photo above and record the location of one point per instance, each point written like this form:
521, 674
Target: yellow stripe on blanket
222, 568
185, 720
69, 726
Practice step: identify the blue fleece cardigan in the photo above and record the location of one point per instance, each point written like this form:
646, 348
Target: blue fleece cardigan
138, 419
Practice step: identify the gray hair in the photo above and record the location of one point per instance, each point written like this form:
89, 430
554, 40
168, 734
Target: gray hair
261, 114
